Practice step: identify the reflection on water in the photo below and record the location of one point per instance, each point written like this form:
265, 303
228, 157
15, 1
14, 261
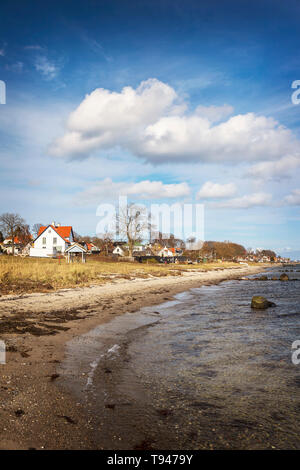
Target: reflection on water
205, 371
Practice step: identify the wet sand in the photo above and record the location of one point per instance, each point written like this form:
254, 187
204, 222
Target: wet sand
37, 413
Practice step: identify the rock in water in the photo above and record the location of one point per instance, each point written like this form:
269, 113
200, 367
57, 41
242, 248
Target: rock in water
261, 302
284, 277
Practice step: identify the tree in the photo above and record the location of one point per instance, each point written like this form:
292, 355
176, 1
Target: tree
36, 228
11, 224
133, 222
24, 235
77, 237
223, 250
104, 241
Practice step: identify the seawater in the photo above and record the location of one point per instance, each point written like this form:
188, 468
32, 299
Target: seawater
204, 371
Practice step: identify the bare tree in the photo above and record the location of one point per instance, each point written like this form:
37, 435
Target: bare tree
12, 224
133, 222
24, 234
105, 240
36, 228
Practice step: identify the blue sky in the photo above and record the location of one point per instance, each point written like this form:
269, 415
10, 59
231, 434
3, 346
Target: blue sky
167, 101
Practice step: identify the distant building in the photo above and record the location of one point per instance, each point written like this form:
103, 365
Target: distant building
7, 246
119, 251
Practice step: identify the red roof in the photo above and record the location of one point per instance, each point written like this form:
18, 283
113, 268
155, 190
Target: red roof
64, 232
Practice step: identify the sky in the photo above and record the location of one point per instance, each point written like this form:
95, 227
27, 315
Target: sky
163, 101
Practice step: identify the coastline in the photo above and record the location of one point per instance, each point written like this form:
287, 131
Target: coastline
35, 412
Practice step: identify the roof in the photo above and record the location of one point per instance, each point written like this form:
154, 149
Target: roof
63, 232
8, 240
76, 247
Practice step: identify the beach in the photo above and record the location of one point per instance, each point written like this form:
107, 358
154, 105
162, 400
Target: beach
38, 409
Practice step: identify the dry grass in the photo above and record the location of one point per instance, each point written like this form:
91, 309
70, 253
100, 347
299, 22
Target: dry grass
19, 275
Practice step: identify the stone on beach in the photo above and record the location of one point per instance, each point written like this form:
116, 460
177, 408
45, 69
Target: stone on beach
284, 277
260, 302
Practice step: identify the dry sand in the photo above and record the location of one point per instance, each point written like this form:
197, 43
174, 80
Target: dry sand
34, 411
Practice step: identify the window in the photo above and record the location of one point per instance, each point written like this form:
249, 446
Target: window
54, 241
44, 240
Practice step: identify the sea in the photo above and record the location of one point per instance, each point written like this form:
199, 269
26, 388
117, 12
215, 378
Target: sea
202, 371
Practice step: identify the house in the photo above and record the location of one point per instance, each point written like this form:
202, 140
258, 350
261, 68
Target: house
138, 247
119, 251
144, 252
52, 240
7, 246
91, 248
167, 252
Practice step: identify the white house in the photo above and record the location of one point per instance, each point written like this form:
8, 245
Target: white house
7, 246
119, 251
166, 252
91, 248
52, 240
138, 247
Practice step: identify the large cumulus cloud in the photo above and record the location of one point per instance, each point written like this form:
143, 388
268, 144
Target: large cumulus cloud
152, 122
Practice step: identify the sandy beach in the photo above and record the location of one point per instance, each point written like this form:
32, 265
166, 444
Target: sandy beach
35, 412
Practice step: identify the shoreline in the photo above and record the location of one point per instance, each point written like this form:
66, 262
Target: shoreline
37, 413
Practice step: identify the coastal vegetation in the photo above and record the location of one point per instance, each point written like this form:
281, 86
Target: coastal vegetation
18, 274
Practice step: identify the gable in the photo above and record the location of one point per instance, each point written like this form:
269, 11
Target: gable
63, 232
43, 231
75, 248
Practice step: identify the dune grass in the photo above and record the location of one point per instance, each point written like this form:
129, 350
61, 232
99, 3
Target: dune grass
19, 275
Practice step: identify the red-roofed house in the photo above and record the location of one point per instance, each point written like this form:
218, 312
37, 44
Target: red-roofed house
52, 240
166, 252
7, 246
7, 241
92, 248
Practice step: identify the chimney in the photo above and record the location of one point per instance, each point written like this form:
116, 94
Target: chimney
53, 224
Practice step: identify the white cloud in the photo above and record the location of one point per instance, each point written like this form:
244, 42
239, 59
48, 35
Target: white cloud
214, 113
108, 190
278, 169
214, 190
2, 52
247, 201
151, 122
106, 119
46, 68
293, 199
